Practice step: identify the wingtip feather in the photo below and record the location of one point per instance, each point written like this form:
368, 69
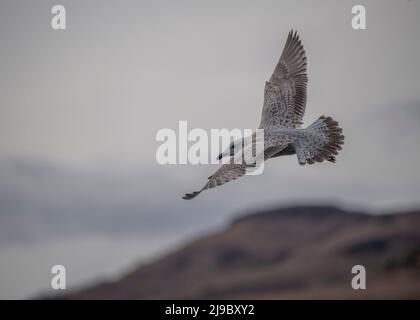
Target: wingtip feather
192, 195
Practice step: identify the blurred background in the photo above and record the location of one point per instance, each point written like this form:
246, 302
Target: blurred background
79, 113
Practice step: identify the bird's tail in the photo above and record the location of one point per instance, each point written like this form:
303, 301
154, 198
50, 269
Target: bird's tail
320, 141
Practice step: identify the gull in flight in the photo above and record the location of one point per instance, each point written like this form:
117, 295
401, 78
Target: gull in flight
282, 113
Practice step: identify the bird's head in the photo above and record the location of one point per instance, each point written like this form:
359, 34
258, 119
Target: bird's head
230, 152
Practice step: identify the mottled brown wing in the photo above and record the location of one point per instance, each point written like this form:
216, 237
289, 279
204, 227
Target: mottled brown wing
231, 171
226, 173
285, 93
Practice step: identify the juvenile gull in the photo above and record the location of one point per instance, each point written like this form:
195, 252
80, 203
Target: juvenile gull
282, 113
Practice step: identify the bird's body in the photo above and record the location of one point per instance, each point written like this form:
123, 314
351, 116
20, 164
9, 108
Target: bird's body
284, 105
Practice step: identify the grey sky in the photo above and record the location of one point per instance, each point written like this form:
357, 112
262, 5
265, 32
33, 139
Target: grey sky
80, 108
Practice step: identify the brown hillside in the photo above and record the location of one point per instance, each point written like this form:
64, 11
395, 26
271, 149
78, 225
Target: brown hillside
300, 252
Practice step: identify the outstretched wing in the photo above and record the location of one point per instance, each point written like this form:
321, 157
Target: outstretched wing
232, 171
285, 93
226, 173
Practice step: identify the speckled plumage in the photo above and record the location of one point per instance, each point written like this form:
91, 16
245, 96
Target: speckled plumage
283, 109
